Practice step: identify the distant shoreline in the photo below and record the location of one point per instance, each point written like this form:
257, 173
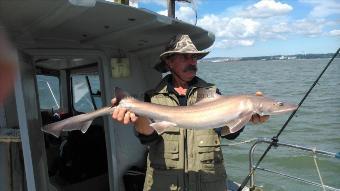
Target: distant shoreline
264, 58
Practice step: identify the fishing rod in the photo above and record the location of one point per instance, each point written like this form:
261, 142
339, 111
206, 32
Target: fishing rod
275, 139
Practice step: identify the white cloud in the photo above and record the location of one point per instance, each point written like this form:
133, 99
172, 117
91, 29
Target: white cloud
133, 3
243, 27
231, 32
184, 13
164, 12
274, 30
266, 8
229, 27
335, 32
281, 27
226, 43
323, 8
264, 20
308, 27
254, 22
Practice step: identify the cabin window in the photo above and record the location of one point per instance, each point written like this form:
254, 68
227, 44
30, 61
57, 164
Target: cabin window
49, 92
86, 93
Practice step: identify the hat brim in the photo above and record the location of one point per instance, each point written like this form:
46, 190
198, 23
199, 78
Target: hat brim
161, 67
200, 54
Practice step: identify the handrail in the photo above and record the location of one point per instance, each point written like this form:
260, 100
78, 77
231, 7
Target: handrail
269, 141
297, 179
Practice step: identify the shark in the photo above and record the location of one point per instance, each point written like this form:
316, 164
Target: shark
210, 111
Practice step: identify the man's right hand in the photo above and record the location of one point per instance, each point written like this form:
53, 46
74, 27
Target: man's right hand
122, 115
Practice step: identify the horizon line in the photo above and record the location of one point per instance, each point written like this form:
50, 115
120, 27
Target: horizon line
271, 55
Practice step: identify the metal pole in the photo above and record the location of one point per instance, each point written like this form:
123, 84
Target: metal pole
171, 8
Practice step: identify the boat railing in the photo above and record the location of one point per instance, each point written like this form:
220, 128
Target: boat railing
314, 151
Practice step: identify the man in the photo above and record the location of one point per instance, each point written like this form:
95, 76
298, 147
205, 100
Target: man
178, 159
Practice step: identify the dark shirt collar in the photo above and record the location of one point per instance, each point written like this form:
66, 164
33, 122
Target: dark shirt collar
171, 89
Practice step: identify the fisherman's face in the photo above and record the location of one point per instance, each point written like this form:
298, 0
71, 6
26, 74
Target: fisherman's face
183, 65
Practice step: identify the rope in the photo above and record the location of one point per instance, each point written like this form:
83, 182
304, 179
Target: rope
317, 169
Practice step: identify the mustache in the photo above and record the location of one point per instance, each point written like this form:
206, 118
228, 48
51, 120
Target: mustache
190, 68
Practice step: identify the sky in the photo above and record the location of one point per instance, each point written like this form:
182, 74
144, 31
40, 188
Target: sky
262, 27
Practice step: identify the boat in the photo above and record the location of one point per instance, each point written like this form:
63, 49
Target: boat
71, 55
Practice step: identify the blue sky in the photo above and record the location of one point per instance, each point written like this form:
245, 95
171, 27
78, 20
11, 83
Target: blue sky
262, 27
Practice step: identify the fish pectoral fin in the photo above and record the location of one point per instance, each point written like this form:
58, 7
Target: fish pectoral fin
237, 124
161, 126
119, 95
83, 126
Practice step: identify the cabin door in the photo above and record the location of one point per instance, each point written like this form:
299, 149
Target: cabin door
69, 85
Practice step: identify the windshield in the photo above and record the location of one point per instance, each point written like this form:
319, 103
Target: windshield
86, 93
49, 92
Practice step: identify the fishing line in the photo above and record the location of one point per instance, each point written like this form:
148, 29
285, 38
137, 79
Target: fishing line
275, 139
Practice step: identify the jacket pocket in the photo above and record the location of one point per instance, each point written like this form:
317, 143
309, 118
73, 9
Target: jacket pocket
209, 151
171, 134
164, 155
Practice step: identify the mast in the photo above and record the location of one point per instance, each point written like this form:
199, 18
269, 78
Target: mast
172, 7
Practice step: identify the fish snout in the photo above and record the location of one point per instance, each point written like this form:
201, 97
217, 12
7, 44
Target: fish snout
284, 108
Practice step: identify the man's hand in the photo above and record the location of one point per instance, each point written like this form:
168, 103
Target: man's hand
122, 115
256, 118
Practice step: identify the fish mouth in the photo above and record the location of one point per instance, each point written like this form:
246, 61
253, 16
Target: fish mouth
285, 110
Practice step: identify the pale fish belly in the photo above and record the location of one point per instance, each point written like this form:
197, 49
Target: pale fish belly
205, 120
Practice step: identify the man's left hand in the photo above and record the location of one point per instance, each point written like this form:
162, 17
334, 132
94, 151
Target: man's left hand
256, 118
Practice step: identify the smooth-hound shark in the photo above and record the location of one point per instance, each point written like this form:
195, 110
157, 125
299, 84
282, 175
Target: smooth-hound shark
210, 111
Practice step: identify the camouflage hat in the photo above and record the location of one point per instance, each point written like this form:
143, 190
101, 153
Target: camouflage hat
180, 44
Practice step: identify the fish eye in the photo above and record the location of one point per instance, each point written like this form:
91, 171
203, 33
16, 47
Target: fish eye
280, 103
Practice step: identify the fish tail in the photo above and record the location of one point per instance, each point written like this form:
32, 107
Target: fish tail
66, 125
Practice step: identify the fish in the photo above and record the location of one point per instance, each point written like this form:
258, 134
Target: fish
210, 111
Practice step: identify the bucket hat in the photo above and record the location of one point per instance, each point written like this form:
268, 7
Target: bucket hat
180, 44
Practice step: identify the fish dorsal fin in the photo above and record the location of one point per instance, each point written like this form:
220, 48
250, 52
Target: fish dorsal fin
120, 94
206, 95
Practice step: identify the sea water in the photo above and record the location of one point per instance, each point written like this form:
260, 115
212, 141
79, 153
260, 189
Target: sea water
316, 125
